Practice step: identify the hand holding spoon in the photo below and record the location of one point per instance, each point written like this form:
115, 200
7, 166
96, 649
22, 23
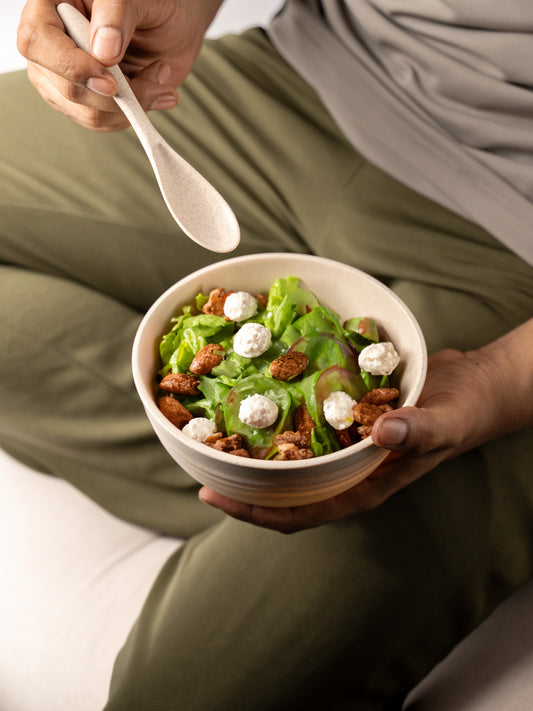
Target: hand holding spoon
200, 211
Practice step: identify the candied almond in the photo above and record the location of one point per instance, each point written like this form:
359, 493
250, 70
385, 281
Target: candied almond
215, 302
207, 358
228, 444
289, 365
293, 445
363, 325
380, 396
295, 454
240, 452
262, 300
180, 384
344, 438
366, 414
286, 446
299, 439
174, 411
303, 422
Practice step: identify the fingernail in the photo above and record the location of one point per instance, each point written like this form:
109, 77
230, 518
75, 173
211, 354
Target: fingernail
205, 496
107, 43
163, 75
393, 432
166, 101
101, 86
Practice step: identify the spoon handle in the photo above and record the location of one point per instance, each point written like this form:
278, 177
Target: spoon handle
77, 26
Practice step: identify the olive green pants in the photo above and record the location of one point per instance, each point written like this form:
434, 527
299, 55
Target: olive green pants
345, 616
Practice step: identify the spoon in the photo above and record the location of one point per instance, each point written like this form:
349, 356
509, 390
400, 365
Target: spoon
200, 211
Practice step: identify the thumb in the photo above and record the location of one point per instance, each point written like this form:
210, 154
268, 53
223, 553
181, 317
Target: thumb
111, 30
414, 430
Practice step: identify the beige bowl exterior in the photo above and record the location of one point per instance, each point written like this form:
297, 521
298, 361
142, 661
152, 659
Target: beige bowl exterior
344, 289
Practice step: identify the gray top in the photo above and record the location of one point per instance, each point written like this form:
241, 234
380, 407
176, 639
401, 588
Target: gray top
437, 93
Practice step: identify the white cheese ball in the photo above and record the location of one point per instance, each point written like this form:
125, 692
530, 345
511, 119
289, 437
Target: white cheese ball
199, 428
251, 340
379, 358
338, 410
240, 305
258, 411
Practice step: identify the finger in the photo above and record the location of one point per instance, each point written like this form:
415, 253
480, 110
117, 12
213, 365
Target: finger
391, 476
98, 113
89, 117
111, 29
158, 72
41, 39
284, 520
416, 430
290, 519
152, 91
395, 474
43, 80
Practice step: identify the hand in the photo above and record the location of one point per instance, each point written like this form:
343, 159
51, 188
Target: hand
156, 44
467, 400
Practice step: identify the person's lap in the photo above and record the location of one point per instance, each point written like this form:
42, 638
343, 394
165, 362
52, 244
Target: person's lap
329, 616
240, 617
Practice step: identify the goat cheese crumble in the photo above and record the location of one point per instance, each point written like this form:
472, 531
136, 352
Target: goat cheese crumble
240, 305
251, 340
258, 411
199, 428
379, 358
338, 410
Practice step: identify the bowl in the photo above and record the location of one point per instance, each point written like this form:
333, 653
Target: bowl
348, 291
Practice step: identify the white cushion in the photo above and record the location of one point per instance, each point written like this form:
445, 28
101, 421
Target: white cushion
72, 581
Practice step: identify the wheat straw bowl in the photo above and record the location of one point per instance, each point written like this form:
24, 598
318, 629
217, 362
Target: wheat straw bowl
346, 290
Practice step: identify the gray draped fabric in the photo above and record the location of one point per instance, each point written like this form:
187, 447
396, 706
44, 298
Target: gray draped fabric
438, 93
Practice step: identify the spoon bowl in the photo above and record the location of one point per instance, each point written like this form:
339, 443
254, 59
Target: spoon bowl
199, 209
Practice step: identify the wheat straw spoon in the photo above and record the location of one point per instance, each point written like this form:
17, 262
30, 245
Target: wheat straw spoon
200, 211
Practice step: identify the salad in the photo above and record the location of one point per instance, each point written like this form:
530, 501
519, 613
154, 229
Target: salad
274, 376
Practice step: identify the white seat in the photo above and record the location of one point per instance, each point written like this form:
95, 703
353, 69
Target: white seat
72, 581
